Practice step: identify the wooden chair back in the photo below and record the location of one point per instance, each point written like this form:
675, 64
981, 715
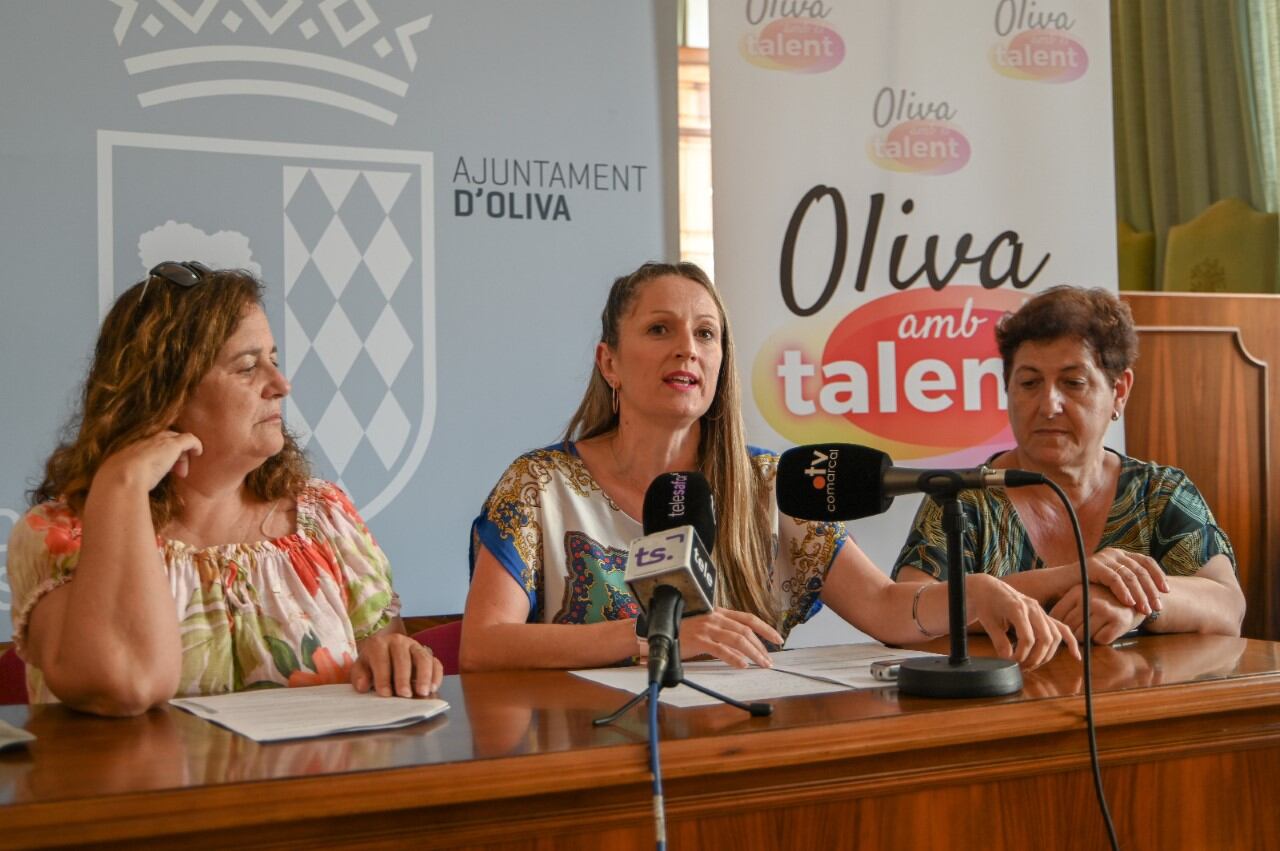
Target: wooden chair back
1230, 247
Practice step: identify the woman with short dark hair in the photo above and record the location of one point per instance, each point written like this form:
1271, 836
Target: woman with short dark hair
1160, 561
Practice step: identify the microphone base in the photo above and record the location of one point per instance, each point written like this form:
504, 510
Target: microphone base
972, 677
672, 675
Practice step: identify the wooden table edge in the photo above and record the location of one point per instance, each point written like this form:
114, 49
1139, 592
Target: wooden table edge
245, 804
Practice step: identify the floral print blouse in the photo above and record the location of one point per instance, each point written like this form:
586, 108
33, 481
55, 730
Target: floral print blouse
283, 612
561, 537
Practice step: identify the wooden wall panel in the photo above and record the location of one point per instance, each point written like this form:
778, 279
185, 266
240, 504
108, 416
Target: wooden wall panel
1207, 375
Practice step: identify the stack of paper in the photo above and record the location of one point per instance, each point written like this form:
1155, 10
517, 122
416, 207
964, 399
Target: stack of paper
810, 670
270, 715
11, 736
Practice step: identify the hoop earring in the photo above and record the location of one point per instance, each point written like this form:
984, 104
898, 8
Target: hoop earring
615, 398
1115, 416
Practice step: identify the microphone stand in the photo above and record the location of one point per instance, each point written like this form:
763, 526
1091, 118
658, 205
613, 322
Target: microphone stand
673, 675
957, 675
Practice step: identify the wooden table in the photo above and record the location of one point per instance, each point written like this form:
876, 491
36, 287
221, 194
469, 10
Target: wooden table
1189, 729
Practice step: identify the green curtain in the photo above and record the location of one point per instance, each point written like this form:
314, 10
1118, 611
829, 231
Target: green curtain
1263, 22
1187, 76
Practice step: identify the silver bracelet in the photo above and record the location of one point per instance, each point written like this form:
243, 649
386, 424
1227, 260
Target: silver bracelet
915, 612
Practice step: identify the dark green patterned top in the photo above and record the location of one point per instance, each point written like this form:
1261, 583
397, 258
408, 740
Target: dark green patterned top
1157, 511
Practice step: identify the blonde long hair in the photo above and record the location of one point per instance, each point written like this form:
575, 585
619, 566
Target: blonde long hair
156, 344
744, 537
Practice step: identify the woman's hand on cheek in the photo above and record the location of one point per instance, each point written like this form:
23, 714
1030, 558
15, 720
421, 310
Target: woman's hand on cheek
144, 463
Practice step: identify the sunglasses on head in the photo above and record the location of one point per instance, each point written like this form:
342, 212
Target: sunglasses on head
185, 274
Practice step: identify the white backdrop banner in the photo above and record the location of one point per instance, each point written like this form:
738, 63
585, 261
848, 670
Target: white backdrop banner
436, 195
891, 177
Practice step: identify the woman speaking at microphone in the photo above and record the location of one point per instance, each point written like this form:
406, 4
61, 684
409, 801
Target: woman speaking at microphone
549, 548
1159, 560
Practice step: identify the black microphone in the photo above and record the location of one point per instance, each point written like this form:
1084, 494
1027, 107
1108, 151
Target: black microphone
669, 569
844, 481
681, 499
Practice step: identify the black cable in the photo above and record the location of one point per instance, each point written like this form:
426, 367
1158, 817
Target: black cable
1088, 669
655, 766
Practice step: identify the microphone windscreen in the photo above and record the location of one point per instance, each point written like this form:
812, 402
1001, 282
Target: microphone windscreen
681, 499
832, 481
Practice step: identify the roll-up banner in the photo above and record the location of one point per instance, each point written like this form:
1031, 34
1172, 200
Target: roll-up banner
436, 195
890, 177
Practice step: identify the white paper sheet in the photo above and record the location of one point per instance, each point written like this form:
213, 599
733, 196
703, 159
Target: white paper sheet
844, 664
271, 715
11, 736
811, 670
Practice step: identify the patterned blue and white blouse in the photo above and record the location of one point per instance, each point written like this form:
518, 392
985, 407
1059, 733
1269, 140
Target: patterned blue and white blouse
561, 537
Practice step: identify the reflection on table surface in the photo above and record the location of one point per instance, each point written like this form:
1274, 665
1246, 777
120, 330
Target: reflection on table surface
517, 713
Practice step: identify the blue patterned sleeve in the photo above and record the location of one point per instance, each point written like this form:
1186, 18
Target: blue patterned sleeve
807, 549
926, 545
509, 527
1186, 535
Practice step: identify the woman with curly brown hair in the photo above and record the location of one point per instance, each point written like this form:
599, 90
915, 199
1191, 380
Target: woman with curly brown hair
177, 544
1160, 561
